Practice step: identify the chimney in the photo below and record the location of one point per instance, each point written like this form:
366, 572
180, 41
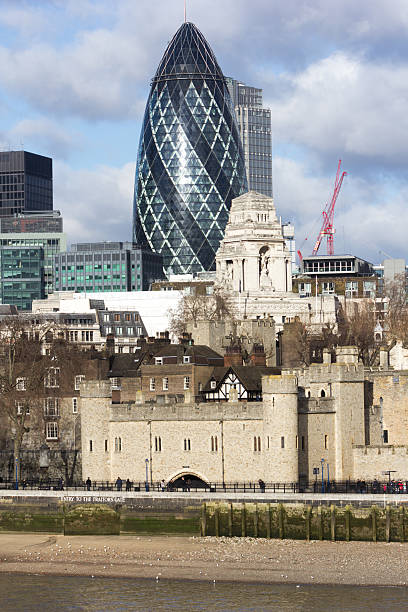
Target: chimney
326, 355
233, 356
110, 344
257, 356
384, 358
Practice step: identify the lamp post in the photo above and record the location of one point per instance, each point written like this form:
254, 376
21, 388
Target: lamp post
328, 478
147, 474
16, 473
322, 462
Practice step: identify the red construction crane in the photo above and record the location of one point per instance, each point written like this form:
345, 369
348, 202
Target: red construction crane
327, 228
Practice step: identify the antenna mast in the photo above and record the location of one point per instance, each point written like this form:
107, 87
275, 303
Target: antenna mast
185, 11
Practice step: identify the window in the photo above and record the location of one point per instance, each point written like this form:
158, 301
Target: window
351, 288
305, 289
119, 331
20, 407
214, 444
385, 436
322, 393
106, 318
326, 441
78, 379
213, 384
152, 384
282, 441
118, 445
130, 331
187, 444
257, 444
115, 383
186, 359
186, 382
158, 360
106, 446
303, 442
116, 317
157, 444
165, 384
51, 406
52, 378
51, 431
90, 446
327, 288
297, 442
21, 384
75, 405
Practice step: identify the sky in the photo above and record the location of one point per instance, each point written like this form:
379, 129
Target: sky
75, 77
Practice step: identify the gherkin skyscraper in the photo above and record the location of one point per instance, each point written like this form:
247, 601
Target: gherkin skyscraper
190, 160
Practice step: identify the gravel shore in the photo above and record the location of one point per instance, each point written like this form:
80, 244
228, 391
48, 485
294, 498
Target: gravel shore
209, 559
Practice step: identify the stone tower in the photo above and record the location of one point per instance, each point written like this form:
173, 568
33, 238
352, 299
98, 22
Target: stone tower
253, 256
280, 428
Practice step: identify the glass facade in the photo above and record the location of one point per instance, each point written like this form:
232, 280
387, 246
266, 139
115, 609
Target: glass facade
106, 266
254, 122
25, 182
190, 161
36, 230
22, 276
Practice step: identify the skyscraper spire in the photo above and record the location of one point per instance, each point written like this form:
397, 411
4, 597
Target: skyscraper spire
185, 11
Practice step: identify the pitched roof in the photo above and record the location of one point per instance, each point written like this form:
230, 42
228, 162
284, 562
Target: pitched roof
249, 376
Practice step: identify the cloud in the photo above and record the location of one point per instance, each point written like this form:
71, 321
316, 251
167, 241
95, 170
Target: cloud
45, 135
347, 106
95, 204
370, 218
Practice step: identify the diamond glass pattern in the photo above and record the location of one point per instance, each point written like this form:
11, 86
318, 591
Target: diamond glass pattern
190, 161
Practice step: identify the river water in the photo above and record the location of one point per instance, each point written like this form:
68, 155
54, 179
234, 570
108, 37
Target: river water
30, 593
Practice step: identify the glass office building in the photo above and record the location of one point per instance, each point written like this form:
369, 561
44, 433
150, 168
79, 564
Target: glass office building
38, 229
21, 276
254, 124
106, 266
25, 182
190, 161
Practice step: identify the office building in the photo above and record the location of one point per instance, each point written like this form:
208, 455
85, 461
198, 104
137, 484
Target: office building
21, 275
106, 266
254, 123
25, 182
40, 229
190, 162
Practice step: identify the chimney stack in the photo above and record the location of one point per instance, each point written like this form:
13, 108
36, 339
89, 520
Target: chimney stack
233, 356
257, 356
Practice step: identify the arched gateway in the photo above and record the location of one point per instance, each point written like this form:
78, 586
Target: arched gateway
186, 480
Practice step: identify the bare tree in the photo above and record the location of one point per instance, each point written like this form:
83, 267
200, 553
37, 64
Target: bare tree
194, 308
37, 369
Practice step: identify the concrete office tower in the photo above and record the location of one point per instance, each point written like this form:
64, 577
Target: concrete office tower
25, 183
190, 161
254, 123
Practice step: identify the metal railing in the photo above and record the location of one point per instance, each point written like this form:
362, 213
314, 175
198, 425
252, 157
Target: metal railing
314, 487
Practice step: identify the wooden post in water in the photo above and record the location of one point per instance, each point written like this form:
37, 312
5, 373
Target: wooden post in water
281, 521
268, 522
217, 520
332, 523
402, 524
230, 520
374, 523
320, 522
387, 524
203, 519
243, 521
256, 521
348, 523
308, 519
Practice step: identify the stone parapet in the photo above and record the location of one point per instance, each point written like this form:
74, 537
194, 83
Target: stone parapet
187, 412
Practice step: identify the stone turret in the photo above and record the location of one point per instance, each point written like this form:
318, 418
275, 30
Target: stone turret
280, 428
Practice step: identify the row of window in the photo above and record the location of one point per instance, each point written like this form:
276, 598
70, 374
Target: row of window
51, 406
51, 381
165, 383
